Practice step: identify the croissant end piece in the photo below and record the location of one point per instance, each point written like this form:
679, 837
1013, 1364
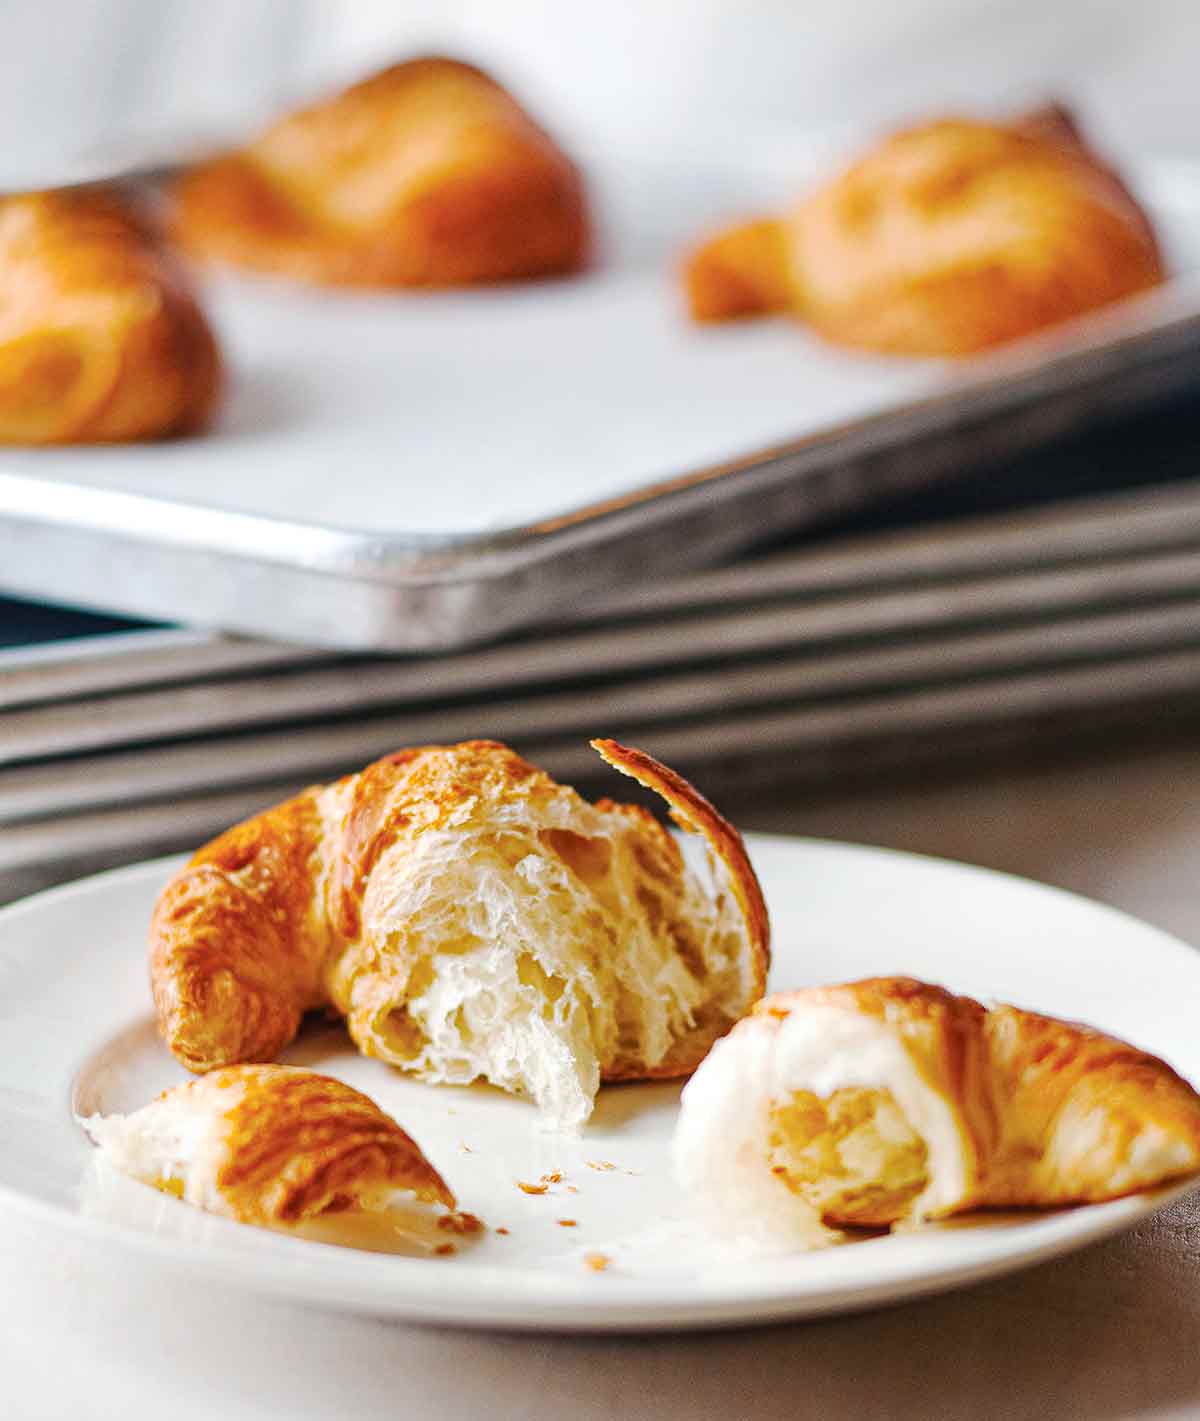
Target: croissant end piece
944, 239
739, 272
269, 1145
427, 174
888, 1099
100, 338
470, 918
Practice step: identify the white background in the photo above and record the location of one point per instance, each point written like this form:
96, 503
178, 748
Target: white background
77, 71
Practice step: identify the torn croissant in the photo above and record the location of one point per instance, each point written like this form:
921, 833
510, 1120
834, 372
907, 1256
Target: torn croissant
889, 1099
269, 1145
943, 240
469, 918
100, 338
426, 174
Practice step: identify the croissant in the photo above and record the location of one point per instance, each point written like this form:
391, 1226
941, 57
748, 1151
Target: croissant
889, 1099
268, 1145
100, 339
469, 918
426, 174
945, 239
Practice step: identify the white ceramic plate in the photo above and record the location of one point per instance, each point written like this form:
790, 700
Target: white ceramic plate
75, 1031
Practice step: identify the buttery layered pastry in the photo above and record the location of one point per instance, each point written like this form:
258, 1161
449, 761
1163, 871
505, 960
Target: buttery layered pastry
426, 174
888, 1100
945, 239
101, 339
469, 918
269, 1145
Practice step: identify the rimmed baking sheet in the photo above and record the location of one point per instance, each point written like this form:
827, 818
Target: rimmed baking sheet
816, 648
775, 743
414, 472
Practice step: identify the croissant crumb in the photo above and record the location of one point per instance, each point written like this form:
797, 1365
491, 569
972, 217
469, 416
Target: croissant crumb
460, 1223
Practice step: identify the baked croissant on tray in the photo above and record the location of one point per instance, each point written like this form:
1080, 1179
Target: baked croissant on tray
469, 918
426, 174
888, 1099
100, 337
944, 239
269, 1145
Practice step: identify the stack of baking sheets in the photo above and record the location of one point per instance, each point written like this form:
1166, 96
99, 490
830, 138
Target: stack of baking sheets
394, 483
923, 629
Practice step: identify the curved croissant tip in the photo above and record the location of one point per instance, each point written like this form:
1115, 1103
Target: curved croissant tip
693, 811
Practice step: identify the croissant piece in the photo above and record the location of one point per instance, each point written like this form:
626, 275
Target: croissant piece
100, 339
269, 1145
945, 239
426, 174
469, 918
889, 1099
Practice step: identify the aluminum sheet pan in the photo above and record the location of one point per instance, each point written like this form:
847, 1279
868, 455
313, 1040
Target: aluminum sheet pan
627, 708
420, 472
1148, 521
706, 640
778, 743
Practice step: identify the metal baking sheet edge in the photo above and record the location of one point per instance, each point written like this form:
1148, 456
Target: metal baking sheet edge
327, 587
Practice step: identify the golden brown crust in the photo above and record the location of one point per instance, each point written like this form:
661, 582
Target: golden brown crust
1052, 1112
100, 338
298, 1144
1055, 123
418, 788
275, 917
741, 271
990, 233
692, 811
957, 235
1048, 1072
426, 174
236, 946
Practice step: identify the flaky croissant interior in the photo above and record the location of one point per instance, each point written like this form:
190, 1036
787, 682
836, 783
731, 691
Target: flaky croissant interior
889, 1099
852, 1155
469, 918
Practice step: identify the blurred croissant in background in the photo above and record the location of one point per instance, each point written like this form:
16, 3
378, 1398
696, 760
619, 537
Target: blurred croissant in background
426, 174
100, 338
943, 240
